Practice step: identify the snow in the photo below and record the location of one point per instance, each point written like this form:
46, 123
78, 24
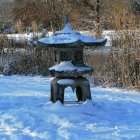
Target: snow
59, 39
67, 36
108, 34
26, 36
22, 37
27, 114
68, 66
67, 30
66, 82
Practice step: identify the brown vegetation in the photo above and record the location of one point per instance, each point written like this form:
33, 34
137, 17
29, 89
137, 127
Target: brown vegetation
25, 61
3, 41
123, 66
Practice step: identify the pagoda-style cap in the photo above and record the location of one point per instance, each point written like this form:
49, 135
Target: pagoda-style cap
67, 36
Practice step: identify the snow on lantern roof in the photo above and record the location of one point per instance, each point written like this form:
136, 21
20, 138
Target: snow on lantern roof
69, 36
66, 30
68, 66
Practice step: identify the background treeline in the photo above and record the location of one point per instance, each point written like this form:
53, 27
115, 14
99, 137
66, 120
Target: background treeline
35, 15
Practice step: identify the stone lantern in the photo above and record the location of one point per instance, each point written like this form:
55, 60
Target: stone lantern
68, 72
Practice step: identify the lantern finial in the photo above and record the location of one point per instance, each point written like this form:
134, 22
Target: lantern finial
66, 19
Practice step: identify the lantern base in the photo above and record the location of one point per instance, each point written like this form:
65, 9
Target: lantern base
81, 85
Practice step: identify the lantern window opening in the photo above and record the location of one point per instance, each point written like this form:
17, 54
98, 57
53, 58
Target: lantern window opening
65, 55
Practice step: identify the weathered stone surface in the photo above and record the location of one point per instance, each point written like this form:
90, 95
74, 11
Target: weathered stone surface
80, 84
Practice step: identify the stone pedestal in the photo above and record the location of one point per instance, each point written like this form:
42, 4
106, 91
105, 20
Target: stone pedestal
80, 84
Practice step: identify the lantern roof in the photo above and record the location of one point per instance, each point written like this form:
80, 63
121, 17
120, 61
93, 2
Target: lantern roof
68, 36
68, 69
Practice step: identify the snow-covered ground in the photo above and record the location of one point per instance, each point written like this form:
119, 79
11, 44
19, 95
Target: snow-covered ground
27, 114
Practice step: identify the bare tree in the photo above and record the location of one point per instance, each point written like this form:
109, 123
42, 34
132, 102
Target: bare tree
6, 15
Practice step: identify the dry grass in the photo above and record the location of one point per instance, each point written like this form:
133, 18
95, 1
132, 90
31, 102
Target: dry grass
25, 61
122, 66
